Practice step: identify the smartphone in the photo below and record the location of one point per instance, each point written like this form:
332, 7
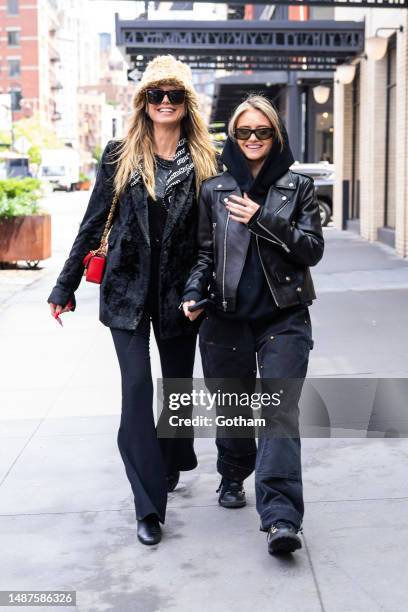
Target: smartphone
199, 305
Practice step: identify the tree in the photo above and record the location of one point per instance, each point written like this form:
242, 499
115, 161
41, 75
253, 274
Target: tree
34, 155
97, 153
37, 134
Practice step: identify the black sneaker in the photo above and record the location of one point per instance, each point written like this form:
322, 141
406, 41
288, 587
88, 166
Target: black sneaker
283, 538
232, 494
172, 481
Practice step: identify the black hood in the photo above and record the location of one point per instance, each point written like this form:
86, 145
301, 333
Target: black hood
276, 163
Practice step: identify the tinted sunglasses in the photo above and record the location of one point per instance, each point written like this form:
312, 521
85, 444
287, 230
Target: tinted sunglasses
262, 133
174, 96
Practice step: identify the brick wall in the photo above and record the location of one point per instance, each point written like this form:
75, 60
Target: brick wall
27, 52
401, 229
33, 21
372, 134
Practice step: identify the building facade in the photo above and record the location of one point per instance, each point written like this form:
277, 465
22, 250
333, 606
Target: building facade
371, 127
78, 48
29, 57
309, 122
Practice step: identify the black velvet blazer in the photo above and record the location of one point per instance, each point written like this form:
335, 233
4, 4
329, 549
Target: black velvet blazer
124, 287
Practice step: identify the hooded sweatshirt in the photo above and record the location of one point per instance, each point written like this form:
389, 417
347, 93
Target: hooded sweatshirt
254, 298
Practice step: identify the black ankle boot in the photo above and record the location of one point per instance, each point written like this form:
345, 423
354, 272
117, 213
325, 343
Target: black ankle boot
283, 538
232, 494
172, 481
148, 530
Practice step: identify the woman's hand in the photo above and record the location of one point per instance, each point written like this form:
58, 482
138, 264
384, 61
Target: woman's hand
57, 309
191, 315
241, 209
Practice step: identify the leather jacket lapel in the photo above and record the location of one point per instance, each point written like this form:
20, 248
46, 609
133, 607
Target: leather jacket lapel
281, 192
236, 238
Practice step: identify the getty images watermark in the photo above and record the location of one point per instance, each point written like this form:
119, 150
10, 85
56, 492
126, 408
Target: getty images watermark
311, 407
221, 401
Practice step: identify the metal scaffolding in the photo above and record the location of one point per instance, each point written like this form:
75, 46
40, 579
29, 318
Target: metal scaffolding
243, 45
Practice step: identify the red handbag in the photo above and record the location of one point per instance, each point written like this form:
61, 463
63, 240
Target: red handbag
95, 261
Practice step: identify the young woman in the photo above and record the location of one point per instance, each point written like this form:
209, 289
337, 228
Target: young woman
259, 231
155, 170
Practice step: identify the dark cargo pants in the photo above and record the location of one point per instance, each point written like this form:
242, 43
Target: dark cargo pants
230, 350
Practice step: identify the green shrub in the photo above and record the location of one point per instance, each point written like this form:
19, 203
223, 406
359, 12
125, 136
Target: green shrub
19, 197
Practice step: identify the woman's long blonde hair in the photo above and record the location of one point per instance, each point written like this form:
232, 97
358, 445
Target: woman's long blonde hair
135, 150
262, 104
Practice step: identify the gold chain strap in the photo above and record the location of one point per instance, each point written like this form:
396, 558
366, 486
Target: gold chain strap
103, 244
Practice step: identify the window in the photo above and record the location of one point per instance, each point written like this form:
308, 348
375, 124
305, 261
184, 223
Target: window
182, 6
13, 38
321, 12
14, 67
12, 7
15, 99
324, 136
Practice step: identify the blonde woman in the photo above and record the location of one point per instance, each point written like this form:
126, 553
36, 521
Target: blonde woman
156, 170
259, 231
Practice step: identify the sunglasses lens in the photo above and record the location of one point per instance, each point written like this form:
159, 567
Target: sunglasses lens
263, 133
260, 133
242, 133
155, 96
176, 96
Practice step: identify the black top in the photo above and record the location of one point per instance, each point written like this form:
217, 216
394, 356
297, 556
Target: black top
157, 211
254, 298
158, 208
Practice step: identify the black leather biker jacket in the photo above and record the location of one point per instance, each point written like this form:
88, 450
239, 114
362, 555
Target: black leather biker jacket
288, 235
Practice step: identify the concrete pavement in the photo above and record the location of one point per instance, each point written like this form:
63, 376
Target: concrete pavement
66, 513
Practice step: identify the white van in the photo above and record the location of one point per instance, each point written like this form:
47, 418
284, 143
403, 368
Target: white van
60, 168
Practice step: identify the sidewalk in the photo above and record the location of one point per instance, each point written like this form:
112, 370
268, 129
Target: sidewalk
66, 512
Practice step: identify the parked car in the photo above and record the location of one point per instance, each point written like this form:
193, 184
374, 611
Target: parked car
13, 165
323, 175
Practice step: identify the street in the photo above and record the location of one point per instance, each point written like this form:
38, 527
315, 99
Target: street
66, 510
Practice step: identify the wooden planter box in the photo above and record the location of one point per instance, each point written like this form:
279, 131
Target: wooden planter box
27, 238
85, 185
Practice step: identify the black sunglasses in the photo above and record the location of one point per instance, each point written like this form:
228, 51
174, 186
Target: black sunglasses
262, 133
174, 96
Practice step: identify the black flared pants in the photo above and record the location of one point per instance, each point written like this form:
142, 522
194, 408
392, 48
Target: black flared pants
147, 458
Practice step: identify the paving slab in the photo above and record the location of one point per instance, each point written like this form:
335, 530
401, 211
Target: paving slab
354, 469
65, 473
96, 554
359, 554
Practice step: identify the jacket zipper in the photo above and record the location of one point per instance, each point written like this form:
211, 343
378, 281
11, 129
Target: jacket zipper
266, 276
264, 238
224, 301
214, 225
281, 206
283, 245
